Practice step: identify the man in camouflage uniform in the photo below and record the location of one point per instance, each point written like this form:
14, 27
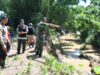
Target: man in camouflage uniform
41, 31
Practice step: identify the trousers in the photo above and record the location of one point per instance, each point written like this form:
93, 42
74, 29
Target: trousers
39, 46
21, 42
3, 55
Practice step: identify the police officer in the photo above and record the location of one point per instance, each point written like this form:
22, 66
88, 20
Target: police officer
41, 29
3, 40
22, 30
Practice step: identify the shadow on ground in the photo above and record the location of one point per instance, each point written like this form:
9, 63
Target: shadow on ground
10, 56
34, 57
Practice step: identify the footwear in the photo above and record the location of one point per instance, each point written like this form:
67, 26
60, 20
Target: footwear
18, 53
23, 52
36, 54
2, 64
40, 55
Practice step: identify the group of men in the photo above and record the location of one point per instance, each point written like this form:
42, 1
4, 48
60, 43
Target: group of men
23, 32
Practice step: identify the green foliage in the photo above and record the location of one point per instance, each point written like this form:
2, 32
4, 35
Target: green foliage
51, 65
34, 10
0, 74
4, 5
96, 69
7, 59
80, 65
29, 67
11, 28
27, 70
87, 22
15, 58
52, 33
21, 72
36, 18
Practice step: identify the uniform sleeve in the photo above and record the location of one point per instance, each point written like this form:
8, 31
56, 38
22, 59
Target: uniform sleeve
18, 29
37, 30
26, 29
47, 24
1, 39
33, 29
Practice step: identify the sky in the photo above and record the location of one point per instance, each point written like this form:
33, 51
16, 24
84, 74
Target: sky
82, 3
85, 4
1, 12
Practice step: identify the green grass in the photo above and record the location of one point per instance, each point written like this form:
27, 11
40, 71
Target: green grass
80, 65
54, 67
25, 71
0, 73
15, 58
96, 69
7, 59
21, 72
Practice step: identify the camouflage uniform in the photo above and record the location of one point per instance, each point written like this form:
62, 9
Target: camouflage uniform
41, 32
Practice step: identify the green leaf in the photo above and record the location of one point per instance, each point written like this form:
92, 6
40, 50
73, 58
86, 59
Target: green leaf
80, 65
96, 69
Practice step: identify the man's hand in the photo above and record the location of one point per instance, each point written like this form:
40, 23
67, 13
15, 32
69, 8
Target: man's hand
57, 26
19, 32
4, 47
23, 32
52, 25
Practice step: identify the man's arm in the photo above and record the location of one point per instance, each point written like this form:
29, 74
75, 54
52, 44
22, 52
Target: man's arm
37, 28
22, 32
2, 42
53, 25
18, 30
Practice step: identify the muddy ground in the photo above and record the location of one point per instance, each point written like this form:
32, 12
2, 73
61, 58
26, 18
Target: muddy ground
71, 47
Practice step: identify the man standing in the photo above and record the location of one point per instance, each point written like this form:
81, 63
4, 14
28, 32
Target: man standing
30, 35
22, 32
3, 40
41, 30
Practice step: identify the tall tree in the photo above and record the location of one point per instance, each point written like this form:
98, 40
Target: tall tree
4, 5
33, 10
